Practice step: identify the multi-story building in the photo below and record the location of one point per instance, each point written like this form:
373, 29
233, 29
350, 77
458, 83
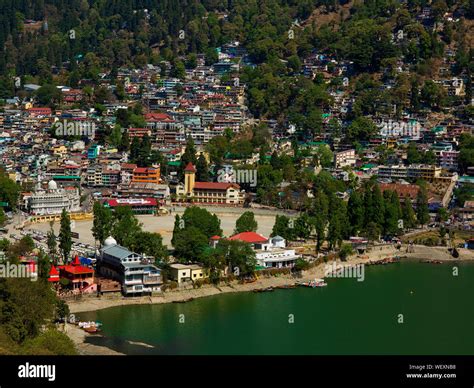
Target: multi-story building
448, 160
413, 171
54, 200
345, 158
136, 274
208, 192
146, 175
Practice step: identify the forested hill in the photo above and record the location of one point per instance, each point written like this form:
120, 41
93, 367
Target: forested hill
63, 41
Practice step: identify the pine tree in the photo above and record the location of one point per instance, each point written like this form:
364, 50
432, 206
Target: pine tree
65, 236
202, 172
409, 216
422, 212
355, 209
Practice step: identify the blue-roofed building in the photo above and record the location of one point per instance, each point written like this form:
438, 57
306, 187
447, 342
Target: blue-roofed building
136, 275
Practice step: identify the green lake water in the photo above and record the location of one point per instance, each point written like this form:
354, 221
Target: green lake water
346, 318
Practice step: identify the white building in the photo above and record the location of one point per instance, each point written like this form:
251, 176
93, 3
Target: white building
54, 200
136, 275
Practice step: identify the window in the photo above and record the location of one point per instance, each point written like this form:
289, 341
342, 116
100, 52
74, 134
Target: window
184, 274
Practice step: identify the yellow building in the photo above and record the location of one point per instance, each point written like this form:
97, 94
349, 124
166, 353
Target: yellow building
182, 273
208, 192
59, 150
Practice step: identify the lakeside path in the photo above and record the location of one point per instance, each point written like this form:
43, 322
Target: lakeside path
93, 303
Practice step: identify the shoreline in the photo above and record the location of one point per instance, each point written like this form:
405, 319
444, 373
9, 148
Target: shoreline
379, 253
93, 303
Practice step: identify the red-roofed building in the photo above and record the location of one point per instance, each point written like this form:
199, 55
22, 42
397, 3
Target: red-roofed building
404, 191
53, 275
250, 237
208, 192
146, 175
36, 112
138, 205
138, 132
81, 278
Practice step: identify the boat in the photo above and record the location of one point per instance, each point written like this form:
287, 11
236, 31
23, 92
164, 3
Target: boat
92, 329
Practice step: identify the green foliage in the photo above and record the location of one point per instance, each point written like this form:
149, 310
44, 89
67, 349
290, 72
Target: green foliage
345, 251
102, 225
9, 190
422, 213
246, 223
65, 236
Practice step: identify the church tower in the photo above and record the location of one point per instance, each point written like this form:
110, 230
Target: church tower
189, 179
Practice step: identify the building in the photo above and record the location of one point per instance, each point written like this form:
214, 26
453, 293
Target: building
448, 160
146, 175
81, 278
136, 275
138, 205
345, 158
413, 171
404, 192
208, 192
269, 253
182, 273
53, 200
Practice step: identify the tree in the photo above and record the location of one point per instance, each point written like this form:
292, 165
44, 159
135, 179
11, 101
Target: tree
355, 210
361, 128
303, 227
409, 216
372, 230
202, 171
65, 236
246, 223
345, 251
3, 217
282, 227
319, 217
209, 224
51, 241
102, 225
9, 190
49, 95
422, 213
125, 226
391, 213
443, 214
151, 244
239, 256
190, 244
